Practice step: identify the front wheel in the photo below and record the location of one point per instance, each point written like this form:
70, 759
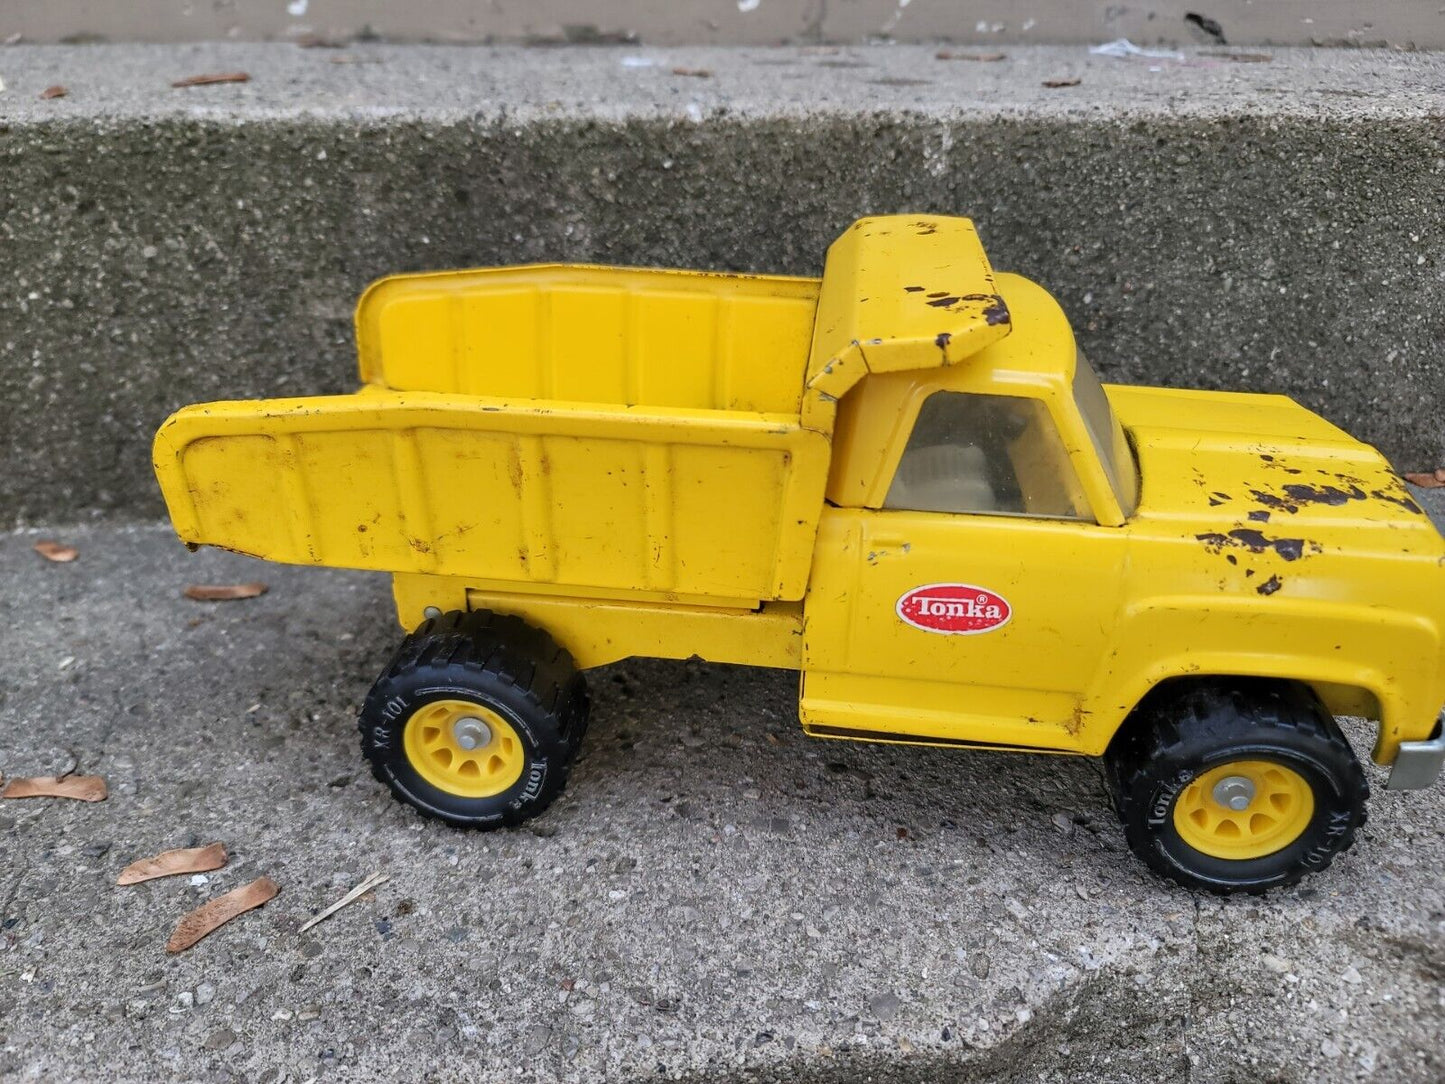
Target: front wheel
476, 720
1237, 787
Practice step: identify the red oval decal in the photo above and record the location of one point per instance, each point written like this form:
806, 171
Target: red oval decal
960, 609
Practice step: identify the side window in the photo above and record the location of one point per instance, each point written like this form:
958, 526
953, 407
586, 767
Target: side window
998, 454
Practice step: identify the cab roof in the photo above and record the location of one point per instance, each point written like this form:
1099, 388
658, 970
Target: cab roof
901, 292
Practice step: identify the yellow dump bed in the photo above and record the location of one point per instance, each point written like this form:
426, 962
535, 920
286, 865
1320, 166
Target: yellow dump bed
573, 427
578, 430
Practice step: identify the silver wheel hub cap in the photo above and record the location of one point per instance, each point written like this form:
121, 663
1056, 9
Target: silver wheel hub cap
471, 733
1234, 792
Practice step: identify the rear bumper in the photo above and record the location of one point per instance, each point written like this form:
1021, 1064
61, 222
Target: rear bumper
1418, 763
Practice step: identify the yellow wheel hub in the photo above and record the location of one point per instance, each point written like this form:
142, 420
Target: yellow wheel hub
1244, 809
463, 748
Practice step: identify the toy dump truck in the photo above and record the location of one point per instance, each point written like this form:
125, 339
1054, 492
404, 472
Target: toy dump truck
903, 481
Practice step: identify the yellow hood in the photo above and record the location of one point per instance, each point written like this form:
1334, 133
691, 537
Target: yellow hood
1260, 472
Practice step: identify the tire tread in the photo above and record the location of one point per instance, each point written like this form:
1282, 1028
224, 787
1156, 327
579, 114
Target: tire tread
508, 651
1174, 725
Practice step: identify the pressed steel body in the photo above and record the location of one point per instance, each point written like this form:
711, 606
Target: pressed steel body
678, 463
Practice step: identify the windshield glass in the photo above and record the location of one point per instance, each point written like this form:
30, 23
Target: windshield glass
994, 454
1107, 434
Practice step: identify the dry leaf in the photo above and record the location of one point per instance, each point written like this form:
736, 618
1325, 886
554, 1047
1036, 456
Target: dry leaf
55, 551
211, 78
57, 91
700, 73
169, 863
1054, 83
945, 54
1433, 480
224, 592
217, 912
83, 788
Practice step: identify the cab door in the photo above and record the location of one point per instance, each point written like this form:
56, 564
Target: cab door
976, 605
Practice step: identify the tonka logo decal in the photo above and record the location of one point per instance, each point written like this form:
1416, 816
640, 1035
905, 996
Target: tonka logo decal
954, 608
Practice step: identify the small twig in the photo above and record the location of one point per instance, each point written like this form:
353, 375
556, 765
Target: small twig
948, 54
374, 881
211, 78
224, 592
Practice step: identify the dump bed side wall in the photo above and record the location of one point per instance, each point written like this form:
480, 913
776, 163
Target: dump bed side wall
701, 505
592, 334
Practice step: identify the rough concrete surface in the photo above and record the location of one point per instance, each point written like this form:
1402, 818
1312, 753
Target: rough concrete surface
1414, 23
1268, 225
716, 898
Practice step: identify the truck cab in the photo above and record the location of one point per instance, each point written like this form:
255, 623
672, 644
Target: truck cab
1007, 477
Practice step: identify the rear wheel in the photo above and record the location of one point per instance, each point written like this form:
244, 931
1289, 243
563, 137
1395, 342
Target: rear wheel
1238, 787
476, 720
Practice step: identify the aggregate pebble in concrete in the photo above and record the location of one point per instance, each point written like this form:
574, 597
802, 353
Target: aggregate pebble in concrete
1262, 226
716, 898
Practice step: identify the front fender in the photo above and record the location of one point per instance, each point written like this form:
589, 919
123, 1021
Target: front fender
1317, 642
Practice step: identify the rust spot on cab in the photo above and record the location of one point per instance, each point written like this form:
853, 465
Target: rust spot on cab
1394, 498
1271, 500
995, 311
1301, 493
1291, 549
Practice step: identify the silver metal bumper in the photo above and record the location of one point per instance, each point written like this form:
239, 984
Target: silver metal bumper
1419, 762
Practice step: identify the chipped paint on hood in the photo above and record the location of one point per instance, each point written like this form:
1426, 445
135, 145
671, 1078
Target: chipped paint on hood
1261, 473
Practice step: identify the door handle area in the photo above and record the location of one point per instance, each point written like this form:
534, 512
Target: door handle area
889, 545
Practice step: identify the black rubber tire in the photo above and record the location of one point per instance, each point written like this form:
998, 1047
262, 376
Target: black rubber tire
507, 666
1176, 735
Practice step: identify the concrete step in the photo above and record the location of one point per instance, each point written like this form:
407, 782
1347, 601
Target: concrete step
1270, 225
1404, 23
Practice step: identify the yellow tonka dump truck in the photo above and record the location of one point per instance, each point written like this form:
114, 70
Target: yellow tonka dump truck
902, 480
